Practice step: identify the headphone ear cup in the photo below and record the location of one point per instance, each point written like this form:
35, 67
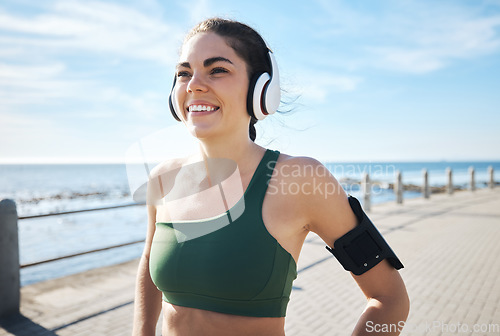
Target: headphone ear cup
264, 92
172, 109
171, 103
251, 90
272, 91
258, 99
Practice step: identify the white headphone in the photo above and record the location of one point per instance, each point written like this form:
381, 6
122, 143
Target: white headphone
264, 93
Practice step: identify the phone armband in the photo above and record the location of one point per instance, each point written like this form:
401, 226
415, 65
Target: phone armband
363, 247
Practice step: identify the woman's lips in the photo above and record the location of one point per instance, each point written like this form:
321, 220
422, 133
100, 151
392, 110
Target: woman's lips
201, 109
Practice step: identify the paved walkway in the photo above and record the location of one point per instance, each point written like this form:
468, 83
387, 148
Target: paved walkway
450, 246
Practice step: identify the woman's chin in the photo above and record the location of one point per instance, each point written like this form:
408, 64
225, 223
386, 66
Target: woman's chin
201, 130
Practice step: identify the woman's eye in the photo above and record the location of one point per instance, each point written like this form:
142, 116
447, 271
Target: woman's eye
182, 74
218, 71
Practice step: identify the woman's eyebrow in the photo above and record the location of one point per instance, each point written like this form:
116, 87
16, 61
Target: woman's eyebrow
208, 62
184, 65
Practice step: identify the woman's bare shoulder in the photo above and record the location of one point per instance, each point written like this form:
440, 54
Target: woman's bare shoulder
171, 166
308, 178
295, 167
162, 176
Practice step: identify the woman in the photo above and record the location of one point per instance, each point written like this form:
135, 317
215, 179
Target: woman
236, 279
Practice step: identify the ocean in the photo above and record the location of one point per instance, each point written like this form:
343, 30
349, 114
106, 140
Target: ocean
54, 188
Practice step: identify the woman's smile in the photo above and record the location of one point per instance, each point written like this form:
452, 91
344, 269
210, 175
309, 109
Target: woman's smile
197, 109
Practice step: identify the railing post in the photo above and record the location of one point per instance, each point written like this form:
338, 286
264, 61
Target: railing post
449, 174
398, 187
366, 189
425, 187
9, 259
472, 182
491, 173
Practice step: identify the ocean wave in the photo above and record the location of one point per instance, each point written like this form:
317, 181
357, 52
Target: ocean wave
32, 204
34, 199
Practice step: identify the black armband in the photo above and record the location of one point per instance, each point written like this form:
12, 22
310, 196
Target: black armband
363, 247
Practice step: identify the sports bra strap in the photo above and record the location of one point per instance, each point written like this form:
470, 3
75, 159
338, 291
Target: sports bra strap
258, 185
270, 163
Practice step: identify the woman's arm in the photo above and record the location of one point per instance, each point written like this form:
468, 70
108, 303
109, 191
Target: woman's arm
330, 216
388, 303
147, 303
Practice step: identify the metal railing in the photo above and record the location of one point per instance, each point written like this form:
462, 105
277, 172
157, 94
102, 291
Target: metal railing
78, 211
10, 283
85, 252
79, 254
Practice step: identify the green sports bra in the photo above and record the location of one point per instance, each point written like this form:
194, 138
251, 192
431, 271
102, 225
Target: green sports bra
238, 269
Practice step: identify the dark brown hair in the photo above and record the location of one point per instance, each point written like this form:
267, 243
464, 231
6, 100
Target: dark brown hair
247, 44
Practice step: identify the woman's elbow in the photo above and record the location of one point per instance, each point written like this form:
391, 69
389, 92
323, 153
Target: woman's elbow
404, 304
397, 303
401, 302
401, 298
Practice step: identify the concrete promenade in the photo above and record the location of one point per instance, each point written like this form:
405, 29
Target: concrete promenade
450, 246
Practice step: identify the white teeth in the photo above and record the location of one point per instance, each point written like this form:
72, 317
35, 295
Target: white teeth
199, 108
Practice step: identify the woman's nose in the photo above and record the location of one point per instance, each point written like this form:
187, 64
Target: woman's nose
196, 84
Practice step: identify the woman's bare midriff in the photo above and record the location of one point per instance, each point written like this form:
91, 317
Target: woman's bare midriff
184, 321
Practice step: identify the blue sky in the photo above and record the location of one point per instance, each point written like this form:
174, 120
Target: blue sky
372, 80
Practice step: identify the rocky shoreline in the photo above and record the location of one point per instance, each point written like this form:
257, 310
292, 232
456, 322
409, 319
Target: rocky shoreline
414, 187
433, 189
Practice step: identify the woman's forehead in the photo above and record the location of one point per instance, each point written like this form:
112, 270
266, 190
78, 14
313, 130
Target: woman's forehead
206, 45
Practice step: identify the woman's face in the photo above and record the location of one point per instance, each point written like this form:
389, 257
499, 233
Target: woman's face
211, 88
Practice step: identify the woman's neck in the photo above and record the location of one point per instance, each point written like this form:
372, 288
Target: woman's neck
243, 151
234, 146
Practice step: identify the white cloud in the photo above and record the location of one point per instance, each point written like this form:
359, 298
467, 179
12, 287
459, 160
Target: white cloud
19, 132
35, 68
36, 84
407, 60
437, 45
91, 26
318, 88
14, 72
414, 36
44, 85
198, 10
147, 104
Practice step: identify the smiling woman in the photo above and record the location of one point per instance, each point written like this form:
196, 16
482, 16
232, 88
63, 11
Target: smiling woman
211, 82
222, 246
